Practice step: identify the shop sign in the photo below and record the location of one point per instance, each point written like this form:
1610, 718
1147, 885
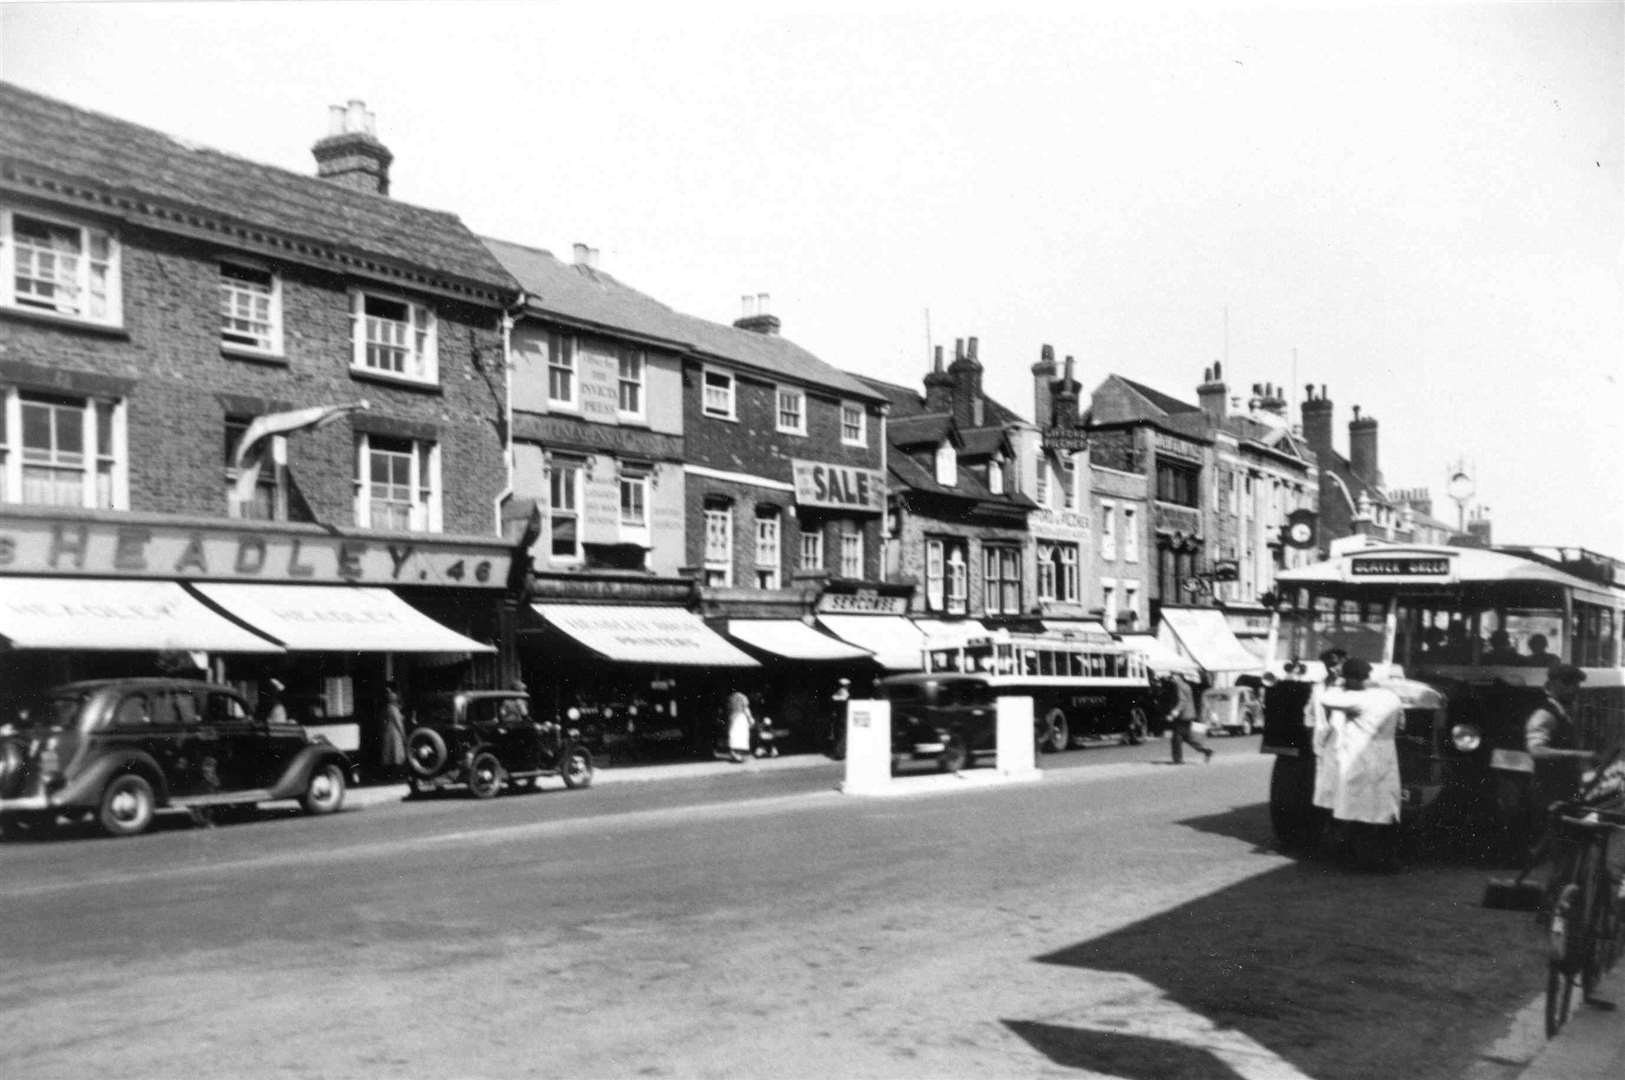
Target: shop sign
112, 549
842, 487
1247, 622
1065, 440
862, 602
1067, 521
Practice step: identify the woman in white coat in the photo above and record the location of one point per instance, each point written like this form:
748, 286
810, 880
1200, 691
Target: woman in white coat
740, 723
1368, 789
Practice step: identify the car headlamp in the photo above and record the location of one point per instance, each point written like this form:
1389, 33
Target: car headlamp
1466, 737
573, 713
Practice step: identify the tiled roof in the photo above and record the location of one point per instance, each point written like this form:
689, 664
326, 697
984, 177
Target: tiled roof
148, 171
588, 295
1170, 405
923, 428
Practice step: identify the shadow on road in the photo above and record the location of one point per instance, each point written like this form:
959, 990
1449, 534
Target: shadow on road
1132, 1057
1343, 975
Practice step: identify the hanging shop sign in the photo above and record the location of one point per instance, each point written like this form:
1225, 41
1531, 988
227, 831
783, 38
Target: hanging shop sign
841, 487
222, 553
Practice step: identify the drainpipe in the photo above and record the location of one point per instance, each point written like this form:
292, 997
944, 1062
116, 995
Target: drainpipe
886, 541
506, 325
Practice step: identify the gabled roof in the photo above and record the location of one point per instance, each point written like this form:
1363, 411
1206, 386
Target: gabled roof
586, 295
1163, 403
147, 176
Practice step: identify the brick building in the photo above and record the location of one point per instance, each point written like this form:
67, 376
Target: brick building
222, 376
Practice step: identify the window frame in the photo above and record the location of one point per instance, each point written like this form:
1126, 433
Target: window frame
422, 353
273, 456
997, 559
1108, 530
1130, 535
717, 558
852, 553
112, 297
956, 597
862, 436
706, 374
946, 465
633, 480
564, 364
769, 571
424, 514
639, 385
558, 466
273, 346
799, 396
95, 459
936, 575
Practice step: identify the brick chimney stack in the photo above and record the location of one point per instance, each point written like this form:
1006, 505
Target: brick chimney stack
1363, 448
939, 385
1212, 394
350, 155
967, 393
1043, 376
1066, 399
756, 318
1317, 422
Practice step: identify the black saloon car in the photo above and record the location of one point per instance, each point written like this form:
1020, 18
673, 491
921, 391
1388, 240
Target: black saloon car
483, 739
117, 750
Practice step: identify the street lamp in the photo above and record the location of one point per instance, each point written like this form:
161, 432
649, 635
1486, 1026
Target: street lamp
1460, 489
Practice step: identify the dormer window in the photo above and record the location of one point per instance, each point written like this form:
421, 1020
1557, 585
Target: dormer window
947, 465
995, 476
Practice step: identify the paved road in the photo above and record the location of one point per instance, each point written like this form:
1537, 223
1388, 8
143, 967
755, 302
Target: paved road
1119, 918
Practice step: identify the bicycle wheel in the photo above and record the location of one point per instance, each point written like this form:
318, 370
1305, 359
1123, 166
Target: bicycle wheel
1559, 970
1602, 929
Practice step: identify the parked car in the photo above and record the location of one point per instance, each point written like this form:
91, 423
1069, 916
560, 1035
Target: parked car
117, 750
484, 739
1230, 709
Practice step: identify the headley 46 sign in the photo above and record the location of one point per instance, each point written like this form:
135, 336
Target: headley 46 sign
223, 553
844, 487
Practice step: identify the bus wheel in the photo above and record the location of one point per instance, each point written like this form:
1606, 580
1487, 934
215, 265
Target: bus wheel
1135, 735
1053, 733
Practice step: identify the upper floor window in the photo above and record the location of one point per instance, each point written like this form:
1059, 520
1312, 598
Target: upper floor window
812, 548
851, 553
394, 337
1041, 484
62, 451
561, 370
947, 465
630, 401
995, 476
719, 543
1131, 535
935, 575
48, 264
1108, 530
1003, 573
718, 399
268, 500
767, 547
1058, 572
1069, 484
958, 579
852, 424
792, 411
397, 484
564, 508
1178, 484
634, 501
250, 308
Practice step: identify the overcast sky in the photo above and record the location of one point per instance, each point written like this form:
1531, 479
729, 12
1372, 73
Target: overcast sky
1418, 206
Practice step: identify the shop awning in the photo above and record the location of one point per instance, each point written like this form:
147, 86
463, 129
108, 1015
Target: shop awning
1203, 635
126, 616
332, 618
949, 631
895, 641
792, 640
644, 635
1161, 659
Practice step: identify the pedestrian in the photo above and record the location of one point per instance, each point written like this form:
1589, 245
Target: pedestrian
392, 740
1548, 736
1180, 708
1323, 737
837, 718
1368, 790
739, 723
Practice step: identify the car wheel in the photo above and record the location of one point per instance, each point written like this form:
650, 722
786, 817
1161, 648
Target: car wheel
1135, 735
1053, 732
955, 757
425, 751
577, 771
484, 775
127, 806
325, 792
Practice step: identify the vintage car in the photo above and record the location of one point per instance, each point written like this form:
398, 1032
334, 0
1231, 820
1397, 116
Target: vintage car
1228, 710
484, 739
117, 750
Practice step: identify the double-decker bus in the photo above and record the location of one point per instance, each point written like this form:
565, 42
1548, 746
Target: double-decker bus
1465, 636
1080, 688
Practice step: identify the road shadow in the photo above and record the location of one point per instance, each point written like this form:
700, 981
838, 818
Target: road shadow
1343, 974
1131, 1057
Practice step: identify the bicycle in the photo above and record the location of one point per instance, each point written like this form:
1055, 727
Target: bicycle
1579, 907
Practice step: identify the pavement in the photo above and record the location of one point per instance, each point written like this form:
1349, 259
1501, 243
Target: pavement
1591, 1045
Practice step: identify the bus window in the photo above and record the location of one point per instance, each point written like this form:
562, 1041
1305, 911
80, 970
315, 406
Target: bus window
1538, 634
1074, 664
1593, 635
1029, 661
1006, 659
1046, 661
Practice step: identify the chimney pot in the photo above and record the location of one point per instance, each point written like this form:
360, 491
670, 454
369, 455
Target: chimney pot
1046, 352
973, 348
1068, 367
959, 349
581, 254
335, 119
592, 257
937, 362
349, 155
1218, 371
747, 305
355, 118
761, 303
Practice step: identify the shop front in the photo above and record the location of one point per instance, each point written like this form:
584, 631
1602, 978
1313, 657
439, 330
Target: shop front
803, 669
875, 619
1202, 635
323, 612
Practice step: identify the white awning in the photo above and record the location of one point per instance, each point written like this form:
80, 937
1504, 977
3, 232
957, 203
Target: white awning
644, 635
122, 615
793, 640
1085, 629
894, 640
1204, 636
332, 618
1161, 659
949, 632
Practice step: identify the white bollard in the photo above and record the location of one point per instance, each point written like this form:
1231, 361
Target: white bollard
868, 747
1015, 739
